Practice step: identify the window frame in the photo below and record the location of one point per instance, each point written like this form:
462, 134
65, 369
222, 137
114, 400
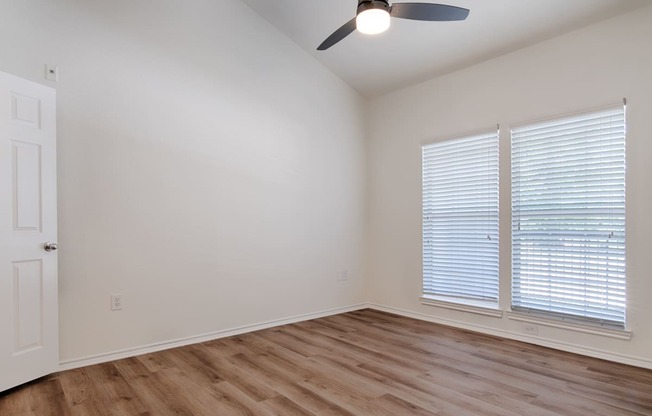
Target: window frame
519, 313
488, 307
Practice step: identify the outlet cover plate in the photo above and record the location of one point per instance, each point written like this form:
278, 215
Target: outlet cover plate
116, 302
51, 72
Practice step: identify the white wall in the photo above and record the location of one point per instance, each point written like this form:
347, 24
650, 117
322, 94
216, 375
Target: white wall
589, 68
209, 170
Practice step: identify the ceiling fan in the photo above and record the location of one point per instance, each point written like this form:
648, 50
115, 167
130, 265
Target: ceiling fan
373, 17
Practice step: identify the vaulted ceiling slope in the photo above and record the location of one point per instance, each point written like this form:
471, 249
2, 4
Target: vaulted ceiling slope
412, 51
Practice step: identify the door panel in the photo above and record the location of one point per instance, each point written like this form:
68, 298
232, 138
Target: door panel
29, 326
28, 311
26, 186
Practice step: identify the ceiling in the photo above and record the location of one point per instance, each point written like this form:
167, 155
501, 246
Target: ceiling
412, 51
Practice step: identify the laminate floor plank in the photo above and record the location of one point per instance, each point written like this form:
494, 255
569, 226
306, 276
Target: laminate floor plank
316, 403
343, 344
389, 405
282, 406
374, 350
115, 390
359, 363
337, 391
444, 393
578, 383
46, 399
82, 396
500, 395
17, 401
166, 391
256, 389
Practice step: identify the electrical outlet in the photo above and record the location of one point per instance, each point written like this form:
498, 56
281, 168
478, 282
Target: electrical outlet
531, 329
343, 275
52, 72
116, 302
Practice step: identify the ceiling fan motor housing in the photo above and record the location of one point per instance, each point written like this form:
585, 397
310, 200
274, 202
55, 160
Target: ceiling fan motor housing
373, 17
364, 5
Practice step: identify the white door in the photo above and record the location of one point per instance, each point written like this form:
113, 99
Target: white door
29, 323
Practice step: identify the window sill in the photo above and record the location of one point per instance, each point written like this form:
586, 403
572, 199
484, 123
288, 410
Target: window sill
477, 307
558, 323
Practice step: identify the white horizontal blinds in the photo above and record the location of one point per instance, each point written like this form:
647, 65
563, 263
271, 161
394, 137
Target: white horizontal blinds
568, 217
460, 218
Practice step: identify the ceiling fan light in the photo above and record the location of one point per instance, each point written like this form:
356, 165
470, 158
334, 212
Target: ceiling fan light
372, 21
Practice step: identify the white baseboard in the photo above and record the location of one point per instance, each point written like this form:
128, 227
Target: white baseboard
558, 345
180, 342
160, 346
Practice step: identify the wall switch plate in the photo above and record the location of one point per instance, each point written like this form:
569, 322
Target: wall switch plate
116, 302
52, 72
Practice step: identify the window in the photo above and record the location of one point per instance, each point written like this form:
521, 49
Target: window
460, 219
568, 218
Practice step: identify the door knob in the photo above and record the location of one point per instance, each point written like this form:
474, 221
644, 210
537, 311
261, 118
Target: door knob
50, 246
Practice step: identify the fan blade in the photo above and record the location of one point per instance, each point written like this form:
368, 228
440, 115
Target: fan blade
338, 35
428, 11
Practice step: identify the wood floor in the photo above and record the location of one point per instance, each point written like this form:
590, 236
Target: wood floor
359, 363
